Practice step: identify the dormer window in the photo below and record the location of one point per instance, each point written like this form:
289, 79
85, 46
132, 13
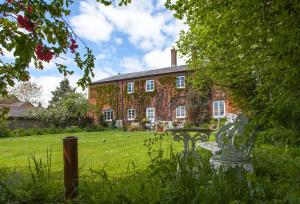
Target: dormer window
180, 82
130, 87
150, 85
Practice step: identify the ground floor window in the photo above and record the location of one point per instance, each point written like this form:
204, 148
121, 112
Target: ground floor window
180, 112
131, 114
219, 109
108, 115
150, 114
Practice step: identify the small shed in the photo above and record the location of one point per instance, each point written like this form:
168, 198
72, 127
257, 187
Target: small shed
18, 115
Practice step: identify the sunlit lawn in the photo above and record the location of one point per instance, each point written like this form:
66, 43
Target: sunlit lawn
115, 153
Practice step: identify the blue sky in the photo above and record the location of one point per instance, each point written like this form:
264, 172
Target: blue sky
123, 39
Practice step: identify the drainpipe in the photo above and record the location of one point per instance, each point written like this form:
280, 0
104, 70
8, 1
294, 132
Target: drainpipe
122, 101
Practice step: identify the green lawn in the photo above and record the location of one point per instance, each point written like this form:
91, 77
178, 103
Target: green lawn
115, 153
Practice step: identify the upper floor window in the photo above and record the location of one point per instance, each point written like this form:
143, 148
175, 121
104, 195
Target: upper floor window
180, 82
130, 87
131, 114
180, 112
150, 85
108, 115
219, 109
150, 114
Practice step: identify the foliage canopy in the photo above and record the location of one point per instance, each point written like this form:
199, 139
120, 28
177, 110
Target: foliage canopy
251, 48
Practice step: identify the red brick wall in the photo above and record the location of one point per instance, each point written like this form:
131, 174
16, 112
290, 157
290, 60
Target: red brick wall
163, 101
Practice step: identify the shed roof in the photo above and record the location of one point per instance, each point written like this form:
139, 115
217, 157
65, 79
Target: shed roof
152, 72
17, 109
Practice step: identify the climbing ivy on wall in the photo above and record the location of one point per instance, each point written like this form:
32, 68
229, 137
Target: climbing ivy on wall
106, 94
166, 95
139, 99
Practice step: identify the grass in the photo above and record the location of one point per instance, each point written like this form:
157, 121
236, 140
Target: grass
275, 180
113, 149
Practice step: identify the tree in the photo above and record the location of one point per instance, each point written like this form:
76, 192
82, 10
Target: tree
28, 92
61, 91
250, 48
69, 109
55, 116
36, 31
77, 106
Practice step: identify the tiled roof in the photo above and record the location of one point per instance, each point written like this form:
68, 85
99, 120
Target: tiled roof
18, 112
18, 109
151, 72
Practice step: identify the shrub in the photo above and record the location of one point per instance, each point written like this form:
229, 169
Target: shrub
4, 131
279, 136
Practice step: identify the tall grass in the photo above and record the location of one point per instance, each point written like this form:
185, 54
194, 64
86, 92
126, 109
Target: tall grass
168, 179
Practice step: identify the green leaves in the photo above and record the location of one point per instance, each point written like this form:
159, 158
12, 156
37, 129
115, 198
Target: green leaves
251, 49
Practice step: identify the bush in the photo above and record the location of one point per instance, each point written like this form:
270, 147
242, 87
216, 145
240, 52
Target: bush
279, 136
4, 131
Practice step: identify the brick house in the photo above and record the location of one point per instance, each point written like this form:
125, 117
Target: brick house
154, 95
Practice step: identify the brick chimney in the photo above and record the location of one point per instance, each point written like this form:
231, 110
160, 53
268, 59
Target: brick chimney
173, 57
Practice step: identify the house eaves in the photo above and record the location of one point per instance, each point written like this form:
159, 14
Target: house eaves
148, 73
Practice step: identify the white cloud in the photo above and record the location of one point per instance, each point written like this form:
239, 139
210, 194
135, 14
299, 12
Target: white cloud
101, 73
132, 64
146, 23
160, 59
101, 56
91, 23
152, 60
119, 40
49, 84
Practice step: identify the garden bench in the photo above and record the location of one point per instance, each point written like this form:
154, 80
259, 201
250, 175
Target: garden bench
235, 143
190, 136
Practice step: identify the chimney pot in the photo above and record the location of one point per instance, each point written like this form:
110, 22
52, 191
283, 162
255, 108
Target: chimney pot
173, 57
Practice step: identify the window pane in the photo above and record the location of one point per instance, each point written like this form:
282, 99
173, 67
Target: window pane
150, 113
131, 114
180, 81
221, 108
177, 82
183, 111
180, 112
149, 85
108, 114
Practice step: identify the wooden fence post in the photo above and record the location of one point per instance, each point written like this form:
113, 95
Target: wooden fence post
70, 167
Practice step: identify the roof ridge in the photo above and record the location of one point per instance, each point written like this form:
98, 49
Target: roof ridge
150, 72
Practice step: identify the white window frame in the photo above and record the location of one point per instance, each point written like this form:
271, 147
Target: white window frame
131, 89
150, 82
180, 112
105, 114
218, 107
181, 80
152, 119
131, 114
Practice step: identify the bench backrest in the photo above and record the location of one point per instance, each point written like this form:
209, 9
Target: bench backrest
236, 140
